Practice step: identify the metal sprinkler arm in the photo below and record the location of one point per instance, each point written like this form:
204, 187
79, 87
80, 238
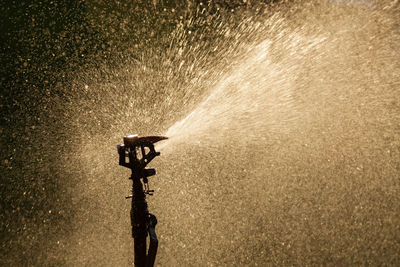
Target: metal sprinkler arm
136, 153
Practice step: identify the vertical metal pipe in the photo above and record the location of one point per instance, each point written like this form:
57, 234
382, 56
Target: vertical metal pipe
139, 217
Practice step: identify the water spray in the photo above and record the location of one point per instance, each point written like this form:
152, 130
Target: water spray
135, 153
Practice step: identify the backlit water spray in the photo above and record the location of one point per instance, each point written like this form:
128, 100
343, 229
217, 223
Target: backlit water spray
283, 149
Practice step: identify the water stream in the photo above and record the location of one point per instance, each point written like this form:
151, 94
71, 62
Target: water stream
284, 149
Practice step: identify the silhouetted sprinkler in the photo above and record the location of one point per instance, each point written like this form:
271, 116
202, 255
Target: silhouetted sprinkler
136, 153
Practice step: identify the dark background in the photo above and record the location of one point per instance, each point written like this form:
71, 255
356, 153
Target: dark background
50, 48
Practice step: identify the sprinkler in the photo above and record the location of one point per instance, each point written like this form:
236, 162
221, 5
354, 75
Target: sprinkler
135, 153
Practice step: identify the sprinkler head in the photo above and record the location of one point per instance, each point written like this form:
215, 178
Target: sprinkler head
136, 152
